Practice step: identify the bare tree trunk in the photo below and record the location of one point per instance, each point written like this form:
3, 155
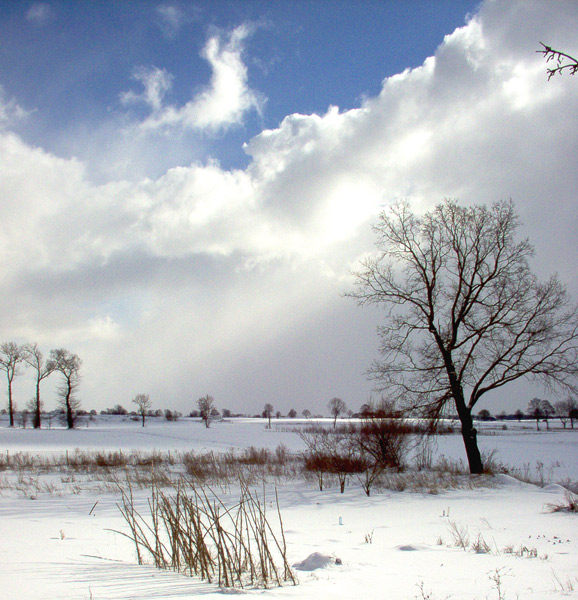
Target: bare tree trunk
10, 403
37, 416
470, 436
69, 415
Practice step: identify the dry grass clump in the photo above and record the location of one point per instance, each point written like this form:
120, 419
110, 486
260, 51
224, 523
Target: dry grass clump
569, 504
253, 464
192, 531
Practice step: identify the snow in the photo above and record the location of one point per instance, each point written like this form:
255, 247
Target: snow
316, 560
398, 545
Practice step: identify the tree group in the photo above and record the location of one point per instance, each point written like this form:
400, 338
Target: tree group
13, 357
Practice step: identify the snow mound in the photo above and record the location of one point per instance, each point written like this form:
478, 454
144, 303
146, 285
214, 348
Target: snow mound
507, 481
317, 560
554, 488
407, 548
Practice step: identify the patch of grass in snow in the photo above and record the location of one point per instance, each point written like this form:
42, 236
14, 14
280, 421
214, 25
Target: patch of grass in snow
565, 587
569, 504
190, 530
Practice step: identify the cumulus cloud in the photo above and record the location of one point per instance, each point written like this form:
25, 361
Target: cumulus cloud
232, 277
223, 103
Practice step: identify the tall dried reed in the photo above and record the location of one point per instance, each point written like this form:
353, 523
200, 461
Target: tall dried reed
191, 530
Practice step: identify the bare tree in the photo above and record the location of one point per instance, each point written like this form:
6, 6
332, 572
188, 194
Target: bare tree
268, 412
206, 405
567, 410
562, 60
144, 404
43, 369
68, 365
306, 413
466, 316
549, 411
535, 411
336, 406
11, 355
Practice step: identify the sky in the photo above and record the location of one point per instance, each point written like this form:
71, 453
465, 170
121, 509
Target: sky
186, 187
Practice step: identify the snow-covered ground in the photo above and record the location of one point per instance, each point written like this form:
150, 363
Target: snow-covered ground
396, 545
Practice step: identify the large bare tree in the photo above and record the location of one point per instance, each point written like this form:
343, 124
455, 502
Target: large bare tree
43, 369
68, 365
11, 355
465, 314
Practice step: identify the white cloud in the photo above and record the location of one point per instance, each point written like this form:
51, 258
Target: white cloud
207, 274
222, 104
156, 83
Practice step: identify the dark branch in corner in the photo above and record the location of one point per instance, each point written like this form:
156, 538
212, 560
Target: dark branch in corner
563, 61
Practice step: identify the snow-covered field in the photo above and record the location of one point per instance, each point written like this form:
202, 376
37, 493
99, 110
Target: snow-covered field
396, 545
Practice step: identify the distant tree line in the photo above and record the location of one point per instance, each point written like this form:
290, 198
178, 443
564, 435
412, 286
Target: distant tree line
540, 410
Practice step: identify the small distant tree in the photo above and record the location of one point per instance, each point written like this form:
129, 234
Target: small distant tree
206, 405
278, 414
11, 355
172, 415
548, 411
267, 413
336, 406
535, 411
484, 415
23, 418
561, 413
519, 415
365, 410
292, 413
573, 416
567, 410
306, 413
143, 404
68, 365
33, 357
226, 413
